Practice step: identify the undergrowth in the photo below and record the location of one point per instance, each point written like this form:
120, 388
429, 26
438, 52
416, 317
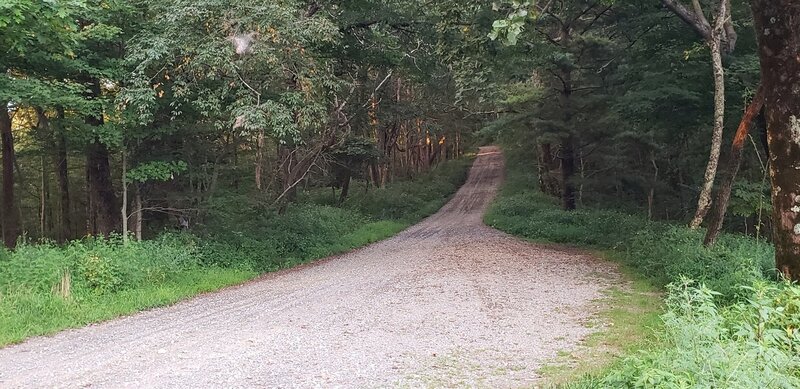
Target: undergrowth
46, 287
728, 322
660, 251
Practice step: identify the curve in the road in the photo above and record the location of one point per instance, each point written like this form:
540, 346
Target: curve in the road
448, 302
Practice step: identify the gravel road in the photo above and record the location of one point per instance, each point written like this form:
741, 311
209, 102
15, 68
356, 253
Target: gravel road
446, 303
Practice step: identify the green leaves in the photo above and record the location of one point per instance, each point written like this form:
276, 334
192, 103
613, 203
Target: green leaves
156, 171
509, 29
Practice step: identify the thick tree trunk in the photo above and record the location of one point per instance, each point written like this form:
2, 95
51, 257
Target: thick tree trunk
102, 209
704, 201
568, 173
777, 24
60, 162
547, 166
737, 149
10, 215
568, 142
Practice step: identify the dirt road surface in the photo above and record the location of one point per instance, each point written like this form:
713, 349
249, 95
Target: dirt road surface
446, 303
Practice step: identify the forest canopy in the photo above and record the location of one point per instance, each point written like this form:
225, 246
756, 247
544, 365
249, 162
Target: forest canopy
136, 117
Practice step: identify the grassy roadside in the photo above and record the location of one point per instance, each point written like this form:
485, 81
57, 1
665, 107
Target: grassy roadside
725, 321
45, 288
629, 314
629, 318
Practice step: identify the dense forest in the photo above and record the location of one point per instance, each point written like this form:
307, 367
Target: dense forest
151, 113
254, 135
137, 116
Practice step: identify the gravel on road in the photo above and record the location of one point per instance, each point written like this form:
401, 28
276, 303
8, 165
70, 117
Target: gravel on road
447, 303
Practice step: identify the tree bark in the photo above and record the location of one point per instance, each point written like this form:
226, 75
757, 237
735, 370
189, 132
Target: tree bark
651, 195
568, 173
259, 159
62, 174
102, 211
45, 223
696, 19
777, 24
10, 215
548, 164
137, 215
704, 201
345, 187
568, 142
124, 209
737, 148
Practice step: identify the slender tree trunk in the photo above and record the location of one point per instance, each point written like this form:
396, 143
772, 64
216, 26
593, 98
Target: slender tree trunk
777, 24
10, 215
652, 193
60, 161
737, 149
137, 216
43, 124
715, 44
259, 159
548, 166
44, 216
286, 175
236, 161
345, 188
568, 173
124, 208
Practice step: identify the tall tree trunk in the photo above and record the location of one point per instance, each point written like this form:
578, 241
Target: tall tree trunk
259, 159
287, 168
548, 165
45, 221
567, 142
737, 148
704, 201
345, 187
651, 195
60, 161
124, 209
10, 215
102, 212
777, 24
137, 213
43, 125
568, 173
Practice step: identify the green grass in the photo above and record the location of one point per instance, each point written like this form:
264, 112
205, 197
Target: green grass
662, 252
45, 288
726, 322
629, 318
27, 314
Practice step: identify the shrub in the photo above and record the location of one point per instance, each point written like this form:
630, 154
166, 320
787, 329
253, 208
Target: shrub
752, 344
46, 287
737, 329
662, 251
